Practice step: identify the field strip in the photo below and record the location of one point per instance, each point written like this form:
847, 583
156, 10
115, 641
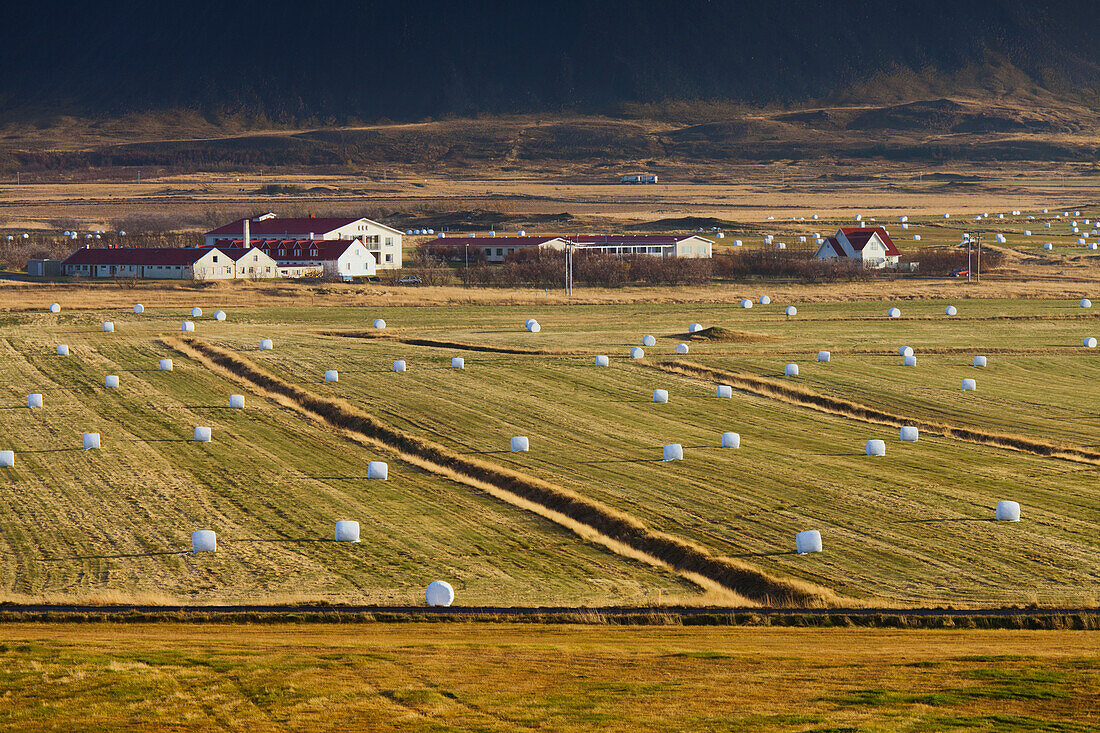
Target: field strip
620, 532
803, 397
438, 344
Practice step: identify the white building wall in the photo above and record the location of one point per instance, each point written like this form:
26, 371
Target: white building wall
356, 261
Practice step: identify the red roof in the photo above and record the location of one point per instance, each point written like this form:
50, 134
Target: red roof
496, 241
631, 238
836, 246
327, 249
859, 236
136, 256
235, 253
287, 228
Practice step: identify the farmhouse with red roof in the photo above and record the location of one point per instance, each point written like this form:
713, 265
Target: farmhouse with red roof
870, 245
383, 242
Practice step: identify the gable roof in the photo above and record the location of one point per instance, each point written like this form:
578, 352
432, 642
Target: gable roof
236, 253
859, 236
837, 247
635, 238
276, 227
137, 256
327, 249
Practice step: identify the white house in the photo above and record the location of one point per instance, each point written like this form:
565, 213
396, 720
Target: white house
657, 245
870, 245
638, 178
317, 258
383, 242
251, 263
495, 249
179, 263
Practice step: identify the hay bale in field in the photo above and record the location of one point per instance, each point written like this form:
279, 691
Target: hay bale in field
1008, 511
602, 361
204, 540
196, 312
808, 541
790, 370
1027, 232
648, 340
660, 395
979, 361
916, 237
519, 444
379, 324
203, 434
682, 348
219, 315
695, 327
909, 360
332, 375
62, 349
236, 401
1086, 303
725, 392
34, 400
894, 312
765, 300
535, 327
738, 243
347, 531
1048, 245
110, 381
108, 327
876, 447
951, 310
91, 441
139, 308
399, 365
636, 352
267, 345
457, 362
187, 326
746, 303
379, 470
1089, 343
905, 351
790, 310
673, 452
731, 440
7, 459
909, 434
165, 365
824, 356
969, 385
55, 307
1093, 245
439, 594
529, 322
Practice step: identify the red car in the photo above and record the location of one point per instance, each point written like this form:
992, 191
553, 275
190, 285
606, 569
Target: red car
961, 272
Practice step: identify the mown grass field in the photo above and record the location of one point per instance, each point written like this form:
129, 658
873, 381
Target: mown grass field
911, 528
504, 677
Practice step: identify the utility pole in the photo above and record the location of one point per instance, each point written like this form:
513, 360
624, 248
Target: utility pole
467, 264
979, 258
569, 269
968, 265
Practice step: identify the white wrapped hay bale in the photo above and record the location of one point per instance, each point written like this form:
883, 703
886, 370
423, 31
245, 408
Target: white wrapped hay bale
110, 381
746, 303
219, 315
725, 392
824, 356
636, 352
916, 237
602, 361
62, 349
203, 434
187, 326
951, 310
790, 310
765, 300
236, 401
108, 327
969, 385
694, 327
682, 348
165, 365
909, 361
347, 530
1086, 303
457, 362
204, 540
34, 400
1048, 245
673, 452
905, 351
529, 322
535, 327
790, 370
378, 470
196, 312
519, 444
267, 345
7, 459
139, 308
1008, 511
909, 434
979, 361
894, 312
876, 447
55, 307
808, 541
731, 440
399, 365
439, 594
660, 395
648, 340
379, 324
332, 375
1089, 343
1027, 232
91, 441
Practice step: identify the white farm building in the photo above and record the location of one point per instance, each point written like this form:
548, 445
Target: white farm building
870, 245
179, 263
383, 242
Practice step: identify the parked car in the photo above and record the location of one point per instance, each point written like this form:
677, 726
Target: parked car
961, 272
409, 280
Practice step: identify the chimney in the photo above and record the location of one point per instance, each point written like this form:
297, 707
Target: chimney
311, 236
246, 237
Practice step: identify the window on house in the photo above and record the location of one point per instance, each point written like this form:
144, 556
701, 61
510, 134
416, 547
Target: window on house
389, 258
313, 253
389, 241
215, 258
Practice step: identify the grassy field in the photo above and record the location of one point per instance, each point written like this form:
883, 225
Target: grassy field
434, 677
912, 528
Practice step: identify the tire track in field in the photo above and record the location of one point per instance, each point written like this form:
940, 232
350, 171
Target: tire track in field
592, 520
455, 345
804, 397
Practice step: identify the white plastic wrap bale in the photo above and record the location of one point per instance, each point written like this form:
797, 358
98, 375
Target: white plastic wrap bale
535, 327
204, 540
731, 440
951, 310
91, 441
55, 307
790, 310
202, 434
379, 323
725, 392
378, 470
236, 401
1089, 343
139, 308
165, 365
660, 395
110, 381
979, 361
1048, 245
187, 326
7, 459
267, 345
969, 385
602, 361
332, 375
636, 352
894, 313
824, 356
790, 370
519, 444
399, 365
904, 226
347, 531
682, 348
196, 312
1093, 245
876, 447
765, 300
909, 434
737, 243
1086, 303
529, 322
219, 315
1081, 241
808, 541
648, 340
439, 594
909, 361
673, 452
34, 400
1008, 511
1001, 238
746, 303
1027, 232
457, 362
695, 327
108, 327
905, 351
62, 349
916, 237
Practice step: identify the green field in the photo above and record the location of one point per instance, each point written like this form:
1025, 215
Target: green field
911, 528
